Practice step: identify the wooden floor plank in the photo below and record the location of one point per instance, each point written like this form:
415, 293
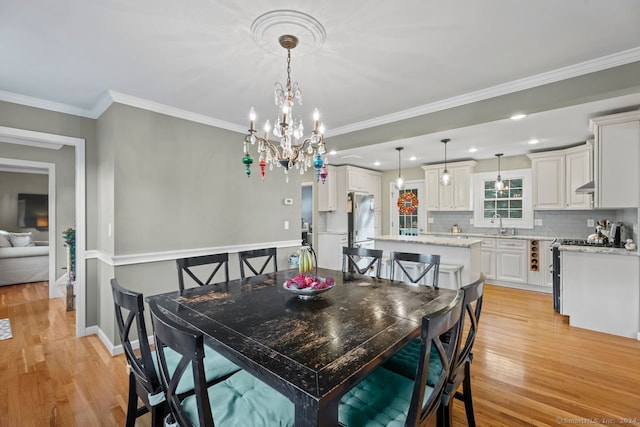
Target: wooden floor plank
530, 367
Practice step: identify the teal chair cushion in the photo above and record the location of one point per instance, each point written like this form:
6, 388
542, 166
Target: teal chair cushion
381, 399
215, 366
242, 400
405, 362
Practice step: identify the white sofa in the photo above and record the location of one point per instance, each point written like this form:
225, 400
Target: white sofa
24, 264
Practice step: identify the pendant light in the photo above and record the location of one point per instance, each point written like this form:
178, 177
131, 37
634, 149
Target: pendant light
445, 178
499, 184
399, 180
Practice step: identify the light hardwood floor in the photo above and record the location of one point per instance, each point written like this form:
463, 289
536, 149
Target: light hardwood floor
530, 367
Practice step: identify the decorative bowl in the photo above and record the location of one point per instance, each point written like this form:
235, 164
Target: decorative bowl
308, 287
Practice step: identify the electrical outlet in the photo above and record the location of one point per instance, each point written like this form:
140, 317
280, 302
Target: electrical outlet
538, 222
286, 225
430, 220
590, 223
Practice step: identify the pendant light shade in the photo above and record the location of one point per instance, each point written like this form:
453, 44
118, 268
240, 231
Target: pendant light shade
399, 182
445, 178
499, 184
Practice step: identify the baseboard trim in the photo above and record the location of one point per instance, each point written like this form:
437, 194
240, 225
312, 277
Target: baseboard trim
113, 350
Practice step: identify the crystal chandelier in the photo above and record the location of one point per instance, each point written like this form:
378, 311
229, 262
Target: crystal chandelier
293, 149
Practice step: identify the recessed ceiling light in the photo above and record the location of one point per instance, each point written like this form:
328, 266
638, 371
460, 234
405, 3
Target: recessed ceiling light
376, 163
413, 158
518, 116
533, 141
473, 150
333, 152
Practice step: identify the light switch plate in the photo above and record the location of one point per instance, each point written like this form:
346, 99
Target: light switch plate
286, 225
288, 201
590, 223
430, 220
537, 222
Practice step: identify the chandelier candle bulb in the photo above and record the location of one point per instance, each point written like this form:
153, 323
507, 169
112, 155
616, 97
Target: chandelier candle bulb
252, 118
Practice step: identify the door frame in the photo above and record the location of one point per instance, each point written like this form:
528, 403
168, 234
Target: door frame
393, 209
53, 141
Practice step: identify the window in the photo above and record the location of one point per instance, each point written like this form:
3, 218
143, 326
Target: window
513, 204
408, 223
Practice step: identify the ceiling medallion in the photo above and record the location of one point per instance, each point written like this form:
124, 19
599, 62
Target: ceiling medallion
268, 27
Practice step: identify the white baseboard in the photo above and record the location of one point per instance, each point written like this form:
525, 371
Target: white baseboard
113, 350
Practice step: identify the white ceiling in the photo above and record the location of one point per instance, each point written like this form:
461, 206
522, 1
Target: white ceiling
380, 60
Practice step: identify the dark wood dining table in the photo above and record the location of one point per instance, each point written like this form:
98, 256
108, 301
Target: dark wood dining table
312, 351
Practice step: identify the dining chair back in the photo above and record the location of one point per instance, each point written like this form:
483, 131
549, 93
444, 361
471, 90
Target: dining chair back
461, 371
361, 260
215, 261
265, 255
390, 396
240, 399
143, 379
422, 265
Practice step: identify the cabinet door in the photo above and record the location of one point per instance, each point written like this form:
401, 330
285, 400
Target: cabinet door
327, 192
578, 172
357, 180
512, 260
432, 182
488, 262
548, 182
374, 187
461, 188
446, 193
619, 165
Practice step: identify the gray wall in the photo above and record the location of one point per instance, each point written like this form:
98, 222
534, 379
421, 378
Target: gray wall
12, 183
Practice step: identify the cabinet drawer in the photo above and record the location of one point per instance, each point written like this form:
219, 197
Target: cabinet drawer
488, 243
512, 244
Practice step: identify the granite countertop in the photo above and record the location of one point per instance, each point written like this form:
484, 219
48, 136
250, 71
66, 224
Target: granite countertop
599, 250
491, 235
439, 240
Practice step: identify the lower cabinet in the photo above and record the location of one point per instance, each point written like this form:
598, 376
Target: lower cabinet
512, 260
329, 250
488, 258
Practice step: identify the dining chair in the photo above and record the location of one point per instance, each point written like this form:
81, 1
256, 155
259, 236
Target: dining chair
386, 398
421, 265
239, 400
461, 371
352, 258
265, 254
216, 261
144, 382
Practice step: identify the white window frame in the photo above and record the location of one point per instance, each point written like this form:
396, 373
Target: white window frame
527, 200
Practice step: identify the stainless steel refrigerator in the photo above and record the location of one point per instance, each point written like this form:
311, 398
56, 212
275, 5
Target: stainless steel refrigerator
361, 220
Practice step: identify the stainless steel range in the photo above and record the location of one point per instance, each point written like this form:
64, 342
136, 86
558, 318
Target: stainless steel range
555, 265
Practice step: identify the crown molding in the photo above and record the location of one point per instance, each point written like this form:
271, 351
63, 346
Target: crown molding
109, 97
144, 104
599, 64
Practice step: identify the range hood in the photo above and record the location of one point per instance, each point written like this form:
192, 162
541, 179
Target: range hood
588, 188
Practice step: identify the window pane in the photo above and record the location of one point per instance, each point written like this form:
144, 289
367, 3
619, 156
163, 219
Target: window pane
488, 213
503, 204
489, 204
516, 213
515, 204
503, 194
515, 183
515, 193
488, 185
489, 194
504, 213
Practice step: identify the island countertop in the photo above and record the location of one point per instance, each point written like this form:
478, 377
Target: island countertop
460, 242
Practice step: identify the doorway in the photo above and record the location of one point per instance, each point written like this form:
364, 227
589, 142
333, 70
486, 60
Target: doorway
407, 224
53, 141
306, 214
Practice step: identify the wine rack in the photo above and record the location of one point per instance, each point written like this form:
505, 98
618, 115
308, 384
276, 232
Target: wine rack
534, 255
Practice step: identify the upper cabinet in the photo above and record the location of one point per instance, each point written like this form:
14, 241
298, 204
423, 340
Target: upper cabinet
557, 175
454, 197
341, 180
327, 192
617, 161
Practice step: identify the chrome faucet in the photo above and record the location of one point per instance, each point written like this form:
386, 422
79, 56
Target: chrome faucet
497, 215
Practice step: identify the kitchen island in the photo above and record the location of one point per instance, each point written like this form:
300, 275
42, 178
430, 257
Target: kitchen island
601, 290
452, 250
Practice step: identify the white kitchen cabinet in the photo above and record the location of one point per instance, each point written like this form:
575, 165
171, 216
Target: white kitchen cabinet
617, 160
488, 258
512, 260
327, 192
557, 174
454, 197
329, 250
357, 180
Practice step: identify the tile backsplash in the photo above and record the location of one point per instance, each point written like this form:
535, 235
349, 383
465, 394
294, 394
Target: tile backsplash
563, 224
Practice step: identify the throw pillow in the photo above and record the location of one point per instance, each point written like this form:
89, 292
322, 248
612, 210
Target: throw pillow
4, 241
21, 240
